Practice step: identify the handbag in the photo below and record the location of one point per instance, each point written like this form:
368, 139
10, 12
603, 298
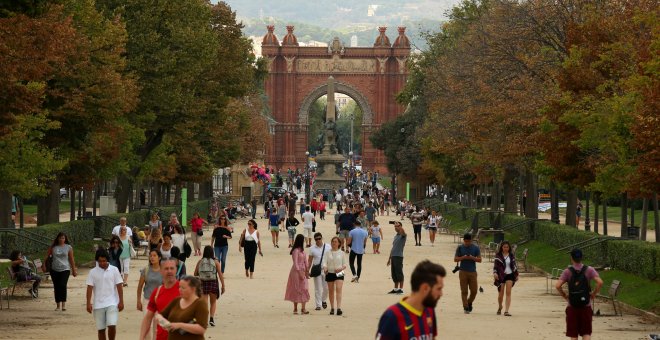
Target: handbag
241, 242
132, 250
187, 250
200, 232
316, 269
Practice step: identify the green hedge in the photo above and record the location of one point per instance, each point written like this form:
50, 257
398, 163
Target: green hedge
76, 231
635, 257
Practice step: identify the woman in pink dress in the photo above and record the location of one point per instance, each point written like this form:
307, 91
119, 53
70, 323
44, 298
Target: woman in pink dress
297, 290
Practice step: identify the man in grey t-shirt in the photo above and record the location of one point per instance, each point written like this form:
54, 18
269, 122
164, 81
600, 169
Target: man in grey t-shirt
396, 258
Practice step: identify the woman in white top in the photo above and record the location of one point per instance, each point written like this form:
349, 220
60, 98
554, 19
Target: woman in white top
178, 237
166, 246
334, 263
250, 241
433, 223
505, 273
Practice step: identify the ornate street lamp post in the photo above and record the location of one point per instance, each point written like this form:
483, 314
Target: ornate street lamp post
351, 170
307, 186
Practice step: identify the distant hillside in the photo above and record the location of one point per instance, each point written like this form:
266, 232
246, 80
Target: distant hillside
366, 34
339, 15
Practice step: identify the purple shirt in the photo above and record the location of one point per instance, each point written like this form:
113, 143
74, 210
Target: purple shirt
590, 274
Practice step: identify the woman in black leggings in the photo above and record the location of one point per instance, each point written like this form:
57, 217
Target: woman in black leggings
63, 265
250, 241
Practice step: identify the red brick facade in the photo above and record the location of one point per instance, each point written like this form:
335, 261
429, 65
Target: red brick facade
298, 77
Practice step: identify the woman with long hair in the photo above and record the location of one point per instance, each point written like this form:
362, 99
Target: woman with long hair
251, 242
155, 239
21, 267
505, 273
63, 265
150, 279
114, 252
208, 270
178, 237
433, 222
125, 256
186, 317
220, 241
334, 264
155, 223
166, 246
297, 289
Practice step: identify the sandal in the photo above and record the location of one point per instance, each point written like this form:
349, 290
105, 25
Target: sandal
295, 312
499, 311
304, 312
507, 314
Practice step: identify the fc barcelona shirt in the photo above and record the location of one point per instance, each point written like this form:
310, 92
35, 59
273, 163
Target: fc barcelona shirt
402, 321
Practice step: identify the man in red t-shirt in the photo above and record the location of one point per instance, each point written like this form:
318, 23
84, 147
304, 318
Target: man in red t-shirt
160, 298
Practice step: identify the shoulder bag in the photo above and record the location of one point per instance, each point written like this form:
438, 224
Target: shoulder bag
316, 269
48, 264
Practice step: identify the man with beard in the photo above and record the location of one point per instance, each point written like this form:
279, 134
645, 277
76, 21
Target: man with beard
160, 298
414, 316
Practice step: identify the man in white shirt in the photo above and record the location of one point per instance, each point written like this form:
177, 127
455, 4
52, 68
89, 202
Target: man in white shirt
308, 224
316, 253
105, 282
338, 201
122, 223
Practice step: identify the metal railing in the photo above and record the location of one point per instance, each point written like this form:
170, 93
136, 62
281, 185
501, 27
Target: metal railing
24, 240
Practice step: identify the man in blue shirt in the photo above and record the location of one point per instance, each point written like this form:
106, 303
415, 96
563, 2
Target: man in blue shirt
414, 316
468, 255
357, 239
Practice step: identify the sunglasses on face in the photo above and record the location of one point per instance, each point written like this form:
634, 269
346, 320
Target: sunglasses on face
317, 239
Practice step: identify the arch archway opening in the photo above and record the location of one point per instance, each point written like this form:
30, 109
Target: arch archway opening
350, 118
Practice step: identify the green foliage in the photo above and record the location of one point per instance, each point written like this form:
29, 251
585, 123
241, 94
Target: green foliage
316, 120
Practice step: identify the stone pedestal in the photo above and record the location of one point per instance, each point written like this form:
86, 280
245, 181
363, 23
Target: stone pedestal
329, 171
108, 205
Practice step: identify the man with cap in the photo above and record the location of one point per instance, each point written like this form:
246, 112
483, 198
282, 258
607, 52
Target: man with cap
579, 297
467, 255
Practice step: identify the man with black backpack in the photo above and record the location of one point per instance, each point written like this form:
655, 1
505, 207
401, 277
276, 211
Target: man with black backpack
579, 297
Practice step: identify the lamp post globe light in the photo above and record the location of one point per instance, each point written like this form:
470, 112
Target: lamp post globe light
307, 189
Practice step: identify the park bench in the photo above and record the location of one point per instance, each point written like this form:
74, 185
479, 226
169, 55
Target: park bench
523, 258
14, 281
612, 294
553, 276
38, 269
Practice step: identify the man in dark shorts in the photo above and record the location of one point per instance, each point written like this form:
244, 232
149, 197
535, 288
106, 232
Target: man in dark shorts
414, 316
578, 318
396, 258
344, 226
417, 218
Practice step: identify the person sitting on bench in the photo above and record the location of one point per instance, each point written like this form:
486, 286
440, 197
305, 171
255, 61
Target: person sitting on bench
20, 266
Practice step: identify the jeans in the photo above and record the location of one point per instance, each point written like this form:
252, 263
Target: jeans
351, 259
221, 255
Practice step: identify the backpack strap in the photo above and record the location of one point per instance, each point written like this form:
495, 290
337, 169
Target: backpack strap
158, 292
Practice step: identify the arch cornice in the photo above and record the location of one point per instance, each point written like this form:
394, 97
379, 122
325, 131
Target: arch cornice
340, 87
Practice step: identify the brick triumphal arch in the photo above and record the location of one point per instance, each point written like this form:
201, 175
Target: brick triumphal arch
298, 76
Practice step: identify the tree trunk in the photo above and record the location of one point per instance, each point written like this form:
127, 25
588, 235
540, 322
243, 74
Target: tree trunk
596, 200
5, 209
495, 196
72, 204
655, 217
177, 194
532, 201
554, 203
123, 192
571, 207
605, 217
645, 216
510, 203
624, 215
48, 207
205, 190
191, 191
521, 194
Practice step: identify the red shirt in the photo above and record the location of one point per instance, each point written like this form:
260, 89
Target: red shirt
314, 204
165, 296
197, 223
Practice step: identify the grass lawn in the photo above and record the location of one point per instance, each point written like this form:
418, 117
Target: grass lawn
31, 209
613, 214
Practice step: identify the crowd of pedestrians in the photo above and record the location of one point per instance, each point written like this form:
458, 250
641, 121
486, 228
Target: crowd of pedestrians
170, 299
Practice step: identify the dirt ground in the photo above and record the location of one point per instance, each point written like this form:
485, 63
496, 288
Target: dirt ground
256, 308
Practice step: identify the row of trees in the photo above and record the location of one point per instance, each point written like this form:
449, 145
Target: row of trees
561, 93
129, 89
